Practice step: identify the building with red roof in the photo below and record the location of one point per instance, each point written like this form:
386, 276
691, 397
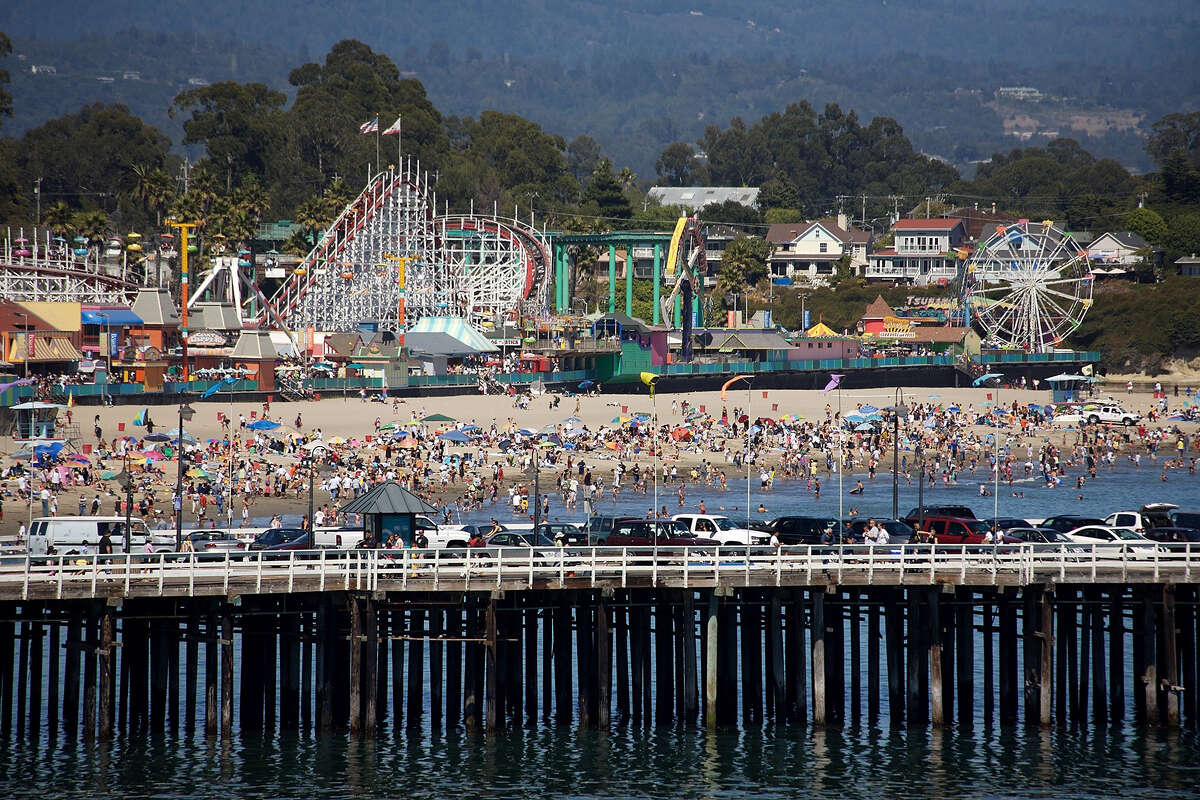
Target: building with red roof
924, 251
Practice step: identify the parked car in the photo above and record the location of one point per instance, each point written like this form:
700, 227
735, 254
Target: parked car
279, 539
898, 532
215, 543
1065, 523
573, 535
455, 536
518, 544
722, 528
1004, 524
82, 535
1042, 538
942, 511
632, 532
1174, 538
1185, 519
1122, 538
1151, 515
955, 530
796, 530
600, 526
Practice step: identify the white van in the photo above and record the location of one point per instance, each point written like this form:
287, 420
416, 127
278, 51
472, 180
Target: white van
82, 534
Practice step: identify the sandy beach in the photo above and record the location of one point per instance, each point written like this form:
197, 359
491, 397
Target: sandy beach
352, 418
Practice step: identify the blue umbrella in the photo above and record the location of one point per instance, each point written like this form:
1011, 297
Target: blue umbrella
953, 409
586, 384
263, 425
868, 409
982, 379
455, 436
864, 427
469, 428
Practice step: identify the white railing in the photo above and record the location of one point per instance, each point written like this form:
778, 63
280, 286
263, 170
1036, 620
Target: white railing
160, 574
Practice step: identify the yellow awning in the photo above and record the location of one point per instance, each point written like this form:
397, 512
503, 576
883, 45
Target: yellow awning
62, 316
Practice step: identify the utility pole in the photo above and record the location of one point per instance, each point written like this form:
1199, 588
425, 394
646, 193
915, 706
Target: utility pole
37, 192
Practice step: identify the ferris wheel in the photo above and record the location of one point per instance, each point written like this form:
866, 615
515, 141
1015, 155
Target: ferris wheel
1028, 286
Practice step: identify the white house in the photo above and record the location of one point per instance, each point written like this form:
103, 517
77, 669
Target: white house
1118, 252
810, 250
922, 252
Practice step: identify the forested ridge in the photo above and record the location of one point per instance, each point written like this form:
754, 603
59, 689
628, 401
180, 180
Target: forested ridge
265, 153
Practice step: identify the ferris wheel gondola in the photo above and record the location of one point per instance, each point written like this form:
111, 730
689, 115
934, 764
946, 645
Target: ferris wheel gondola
1028, 286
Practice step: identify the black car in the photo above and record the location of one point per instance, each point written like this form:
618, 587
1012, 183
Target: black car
898, 532
276, 539
1007, 523
1065, 523
962, 512
1185, 519
1174, 538
794, 530
572, 534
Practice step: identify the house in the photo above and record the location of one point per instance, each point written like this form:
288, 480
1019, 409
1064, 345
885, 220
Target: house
694, 198
1118, 252
923, 252
746, 344
1189, 266
946, 339
810, 251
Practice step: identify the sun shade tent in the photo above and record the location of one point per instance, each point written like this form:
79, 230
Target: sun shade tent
388, 509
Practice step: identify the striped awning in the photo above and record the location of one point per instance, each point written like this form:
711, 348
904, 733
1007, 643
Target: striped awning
459, 329
46, 347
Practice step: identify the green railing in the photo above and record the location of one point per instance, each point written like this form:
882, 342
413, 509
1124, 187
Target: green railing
1087, 356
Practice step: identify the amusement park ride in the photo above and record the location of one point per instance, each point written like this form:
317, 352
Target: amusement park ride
1027, 287
389, 256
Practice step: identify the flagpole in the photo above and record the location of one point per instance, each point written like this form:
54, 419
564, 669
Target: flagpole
377, 164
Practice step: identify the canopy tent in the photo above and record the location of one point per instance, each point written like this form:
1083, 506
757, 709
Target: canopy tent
111, 317
820, 331
455, 327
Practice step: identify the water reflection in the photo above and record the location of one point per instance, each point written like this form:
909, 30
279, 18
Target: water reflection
860, 761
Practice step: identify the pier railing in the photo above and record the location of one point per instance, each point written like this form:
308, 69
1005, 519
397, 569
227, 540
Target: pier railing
179, 574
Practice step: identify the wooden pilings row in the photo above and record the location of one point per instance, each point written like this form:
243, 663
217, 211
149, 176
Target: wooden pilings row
733, 657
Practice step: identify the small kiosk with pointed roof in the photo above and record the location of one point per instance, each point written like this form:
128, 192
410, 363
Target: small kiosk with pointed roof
388, 509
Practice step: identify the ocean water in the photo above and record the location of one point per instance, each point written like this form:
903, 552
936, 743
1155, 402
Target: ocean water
857, 762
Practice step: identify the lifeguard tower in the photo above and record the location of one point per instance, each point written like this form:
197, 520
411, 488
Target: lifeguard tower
36, 423
1070, 388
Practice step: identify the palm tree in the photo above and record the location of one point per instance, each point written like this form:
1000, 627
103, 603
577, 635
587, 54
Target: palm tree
57, 217
93, 226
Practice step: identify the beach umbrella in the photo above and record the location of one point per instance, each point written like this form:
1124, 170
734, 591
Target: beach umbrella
987, 376
23, 454
196, 472
586, 384
554, 439
868, 409
107, 475
619, 420
572, 421
78, 459
527, 432
263, 425
465, 428
953, 410
455, 436
152, 455
864, 427
336, 440
438, 418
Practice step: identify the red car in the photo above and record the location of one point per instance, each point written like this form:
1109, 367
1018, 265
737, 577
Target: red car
954, 530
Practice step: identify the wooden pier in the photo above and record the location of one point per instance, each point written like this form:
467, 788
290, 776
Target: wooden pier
368, 642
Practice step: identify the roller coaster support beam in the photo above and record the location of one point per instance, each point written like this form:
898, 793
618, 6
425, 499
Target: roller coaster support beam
629, 280
612, 278
657, 276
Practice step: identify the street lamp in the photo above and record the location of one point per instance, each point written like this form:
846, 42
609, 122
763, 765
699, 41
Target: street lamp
919, 454
125, 479
25, 358
186, 412
899, 412
104, 348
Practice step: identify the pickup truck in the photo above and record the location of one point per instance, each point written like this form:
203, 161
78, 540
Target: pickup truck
1109, 414
721, 528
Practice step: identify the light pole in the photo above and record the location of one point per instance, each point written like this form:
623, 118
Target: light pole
28, 349
996, 471
184, 229
919, 454
126, 481
104, 348
186, 412
899, 412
